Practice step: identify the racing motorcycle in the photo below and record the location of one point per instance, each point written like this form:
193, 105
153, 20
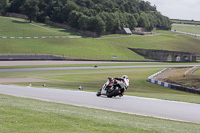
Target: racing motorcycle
113, 87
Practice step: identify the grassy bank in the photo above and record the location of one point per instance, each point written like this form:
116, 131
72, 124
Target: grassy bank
93, 80
10, 27
21, 115
13, 28
188, 80
89, 48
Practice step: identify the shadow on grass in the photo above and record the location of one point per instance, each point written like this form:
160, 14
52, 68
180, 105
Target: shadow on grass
67, 31
62, 30
20, 22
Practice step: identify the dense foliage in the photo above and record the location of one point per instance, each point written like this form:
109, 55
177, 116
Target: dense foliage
4, 4
93, 15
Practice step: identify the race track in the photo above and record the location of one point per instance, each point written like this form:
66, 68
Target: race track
86, 68
172, 110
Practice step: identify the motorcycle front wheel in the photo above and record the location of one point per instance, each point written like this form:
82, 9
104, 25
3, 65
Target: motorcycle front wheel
98, 93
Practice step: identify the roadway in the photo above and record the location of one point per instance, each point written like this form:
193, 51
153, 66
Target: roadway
180, 111
86, 68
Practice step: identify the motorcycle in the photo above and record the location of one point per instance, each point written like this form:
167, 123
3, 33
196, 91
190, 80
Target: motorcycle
112, 88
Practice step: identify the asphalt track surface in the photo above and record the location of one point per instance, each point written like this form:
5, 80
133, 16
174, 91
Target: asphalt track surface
86, 68
180, 111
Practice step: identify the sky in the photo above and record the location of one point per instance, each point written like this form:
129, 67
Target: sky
178, 9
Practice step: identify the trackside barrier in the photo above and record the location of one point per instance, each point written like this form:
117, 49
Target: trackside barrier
40, 37
181, 88
151, 80
172, 86
31, 57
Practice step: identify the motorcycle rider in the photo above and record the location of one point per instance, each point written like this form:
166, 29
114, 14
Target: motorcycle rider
123, 80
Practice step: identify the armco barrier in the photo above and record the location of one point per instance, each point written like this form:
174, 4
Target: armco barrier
172, 86
160, 83
151, 80
181, 88
30, 57
43, 37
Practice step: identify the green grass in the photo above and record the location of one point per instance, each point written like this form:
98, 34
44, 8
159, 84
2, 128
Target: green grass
93, 80
22, 115
197, 72
71, 48
164, 32
88, 48
14, 28
187, 28
116, 35
62, 32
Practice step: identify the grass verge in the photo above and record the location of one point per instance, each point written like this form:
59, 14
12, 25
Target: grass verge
22, 115
187, 28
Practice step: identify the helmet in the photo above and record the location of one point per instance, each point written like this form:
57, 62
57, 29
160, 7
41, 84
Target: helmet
124, 76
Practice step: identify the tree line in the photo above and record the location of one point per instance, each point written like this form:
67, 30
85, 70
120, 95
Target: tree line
93, 15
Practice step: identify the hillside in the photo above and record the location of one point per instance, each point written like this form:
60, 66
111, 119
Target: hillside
195, 29
12, 27
90, 48
93, 15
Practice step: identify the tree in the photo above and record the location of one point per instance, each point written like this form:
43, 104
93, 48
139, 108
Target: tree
30, 8
68, 8
15, 5
143, 21
117, 20
123, 20
3, 6
73, 18
136, 15
162, 21
153, 21
131, 21
84, 22
97, 25
146, 6
109, 15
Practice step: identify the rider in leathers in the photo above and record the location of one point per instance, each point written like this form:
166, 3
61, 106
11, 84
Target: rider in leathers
124, 79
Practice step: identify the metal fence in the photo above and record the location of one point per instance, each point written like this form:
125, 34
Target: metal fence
31, 57
78, 57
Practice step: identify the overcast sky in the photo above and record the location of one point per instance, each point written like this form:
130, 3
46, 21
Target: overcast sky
178, 9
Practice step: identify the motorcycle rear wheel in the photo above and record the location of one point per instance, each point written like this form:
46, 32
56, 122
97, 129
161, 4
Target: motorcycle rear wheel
113, 93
